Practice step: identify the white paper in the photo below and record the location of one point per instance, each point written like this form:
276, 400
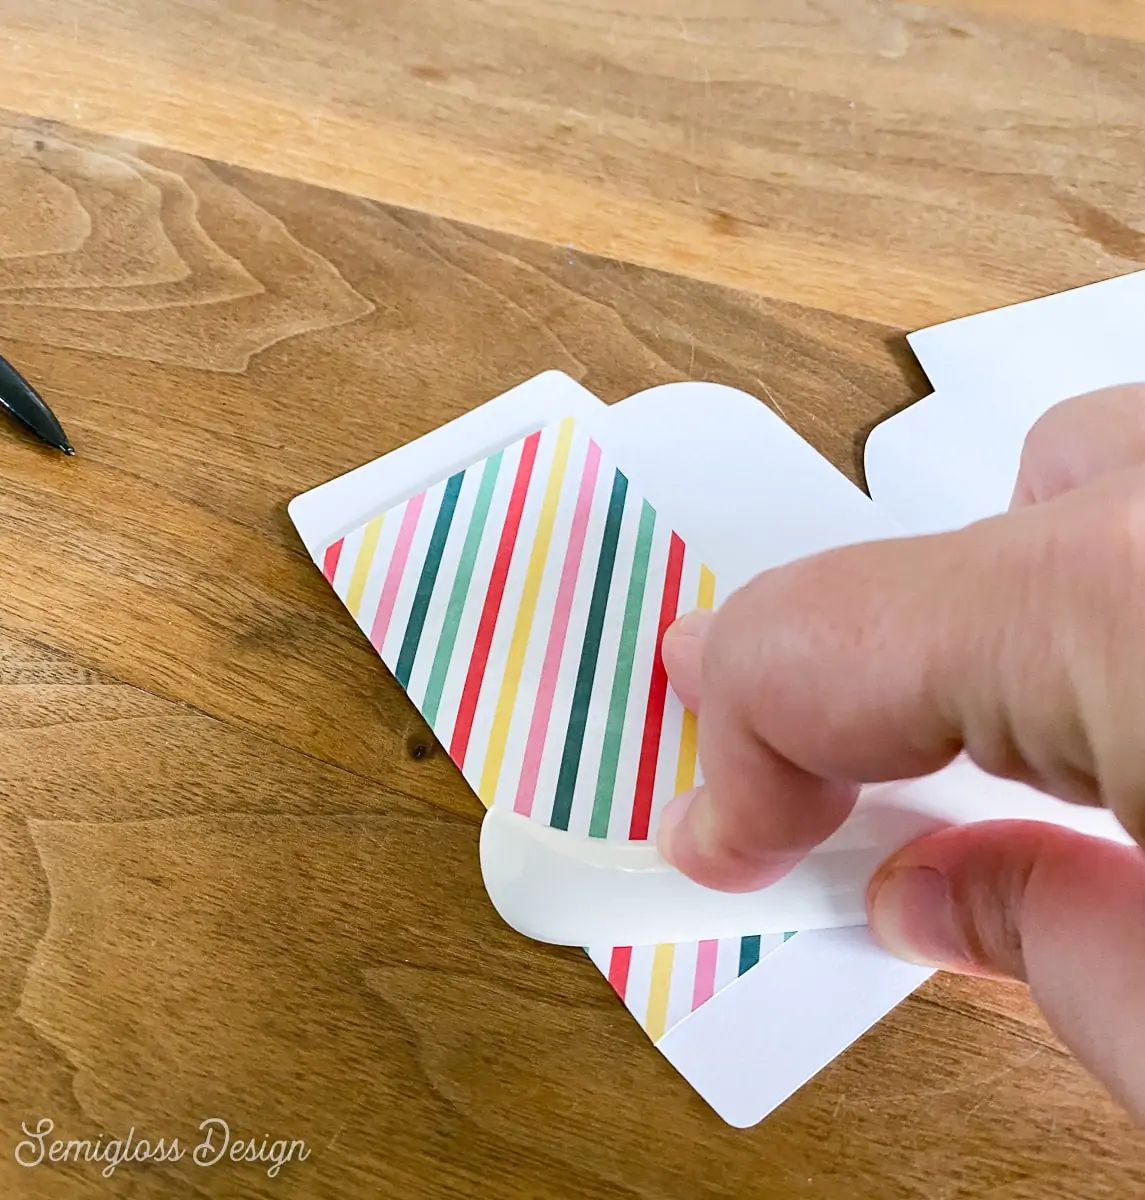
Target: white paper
1055, 346
583, 891
325, 513
953, 457
941, 464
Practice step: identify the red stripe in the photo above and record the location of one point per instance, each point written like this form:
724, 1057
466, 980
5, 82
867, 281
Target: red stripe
330, 559
657, 693
618, 966
459, 743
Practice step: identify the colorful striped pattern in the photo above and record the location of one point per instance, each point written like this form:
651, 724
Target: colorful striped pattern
521, 604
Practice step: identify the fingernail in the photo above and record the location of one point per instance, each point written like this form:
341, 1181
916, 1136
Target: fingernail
685, 827
691, 624
689, 838
912, 915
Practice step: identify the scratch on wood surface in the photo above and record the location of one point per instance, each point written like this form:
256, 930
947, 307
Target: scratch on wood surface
988, 1081
772, 399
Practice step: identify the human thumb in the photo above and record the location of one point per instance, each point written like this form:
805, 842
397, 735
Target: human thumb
1034, 902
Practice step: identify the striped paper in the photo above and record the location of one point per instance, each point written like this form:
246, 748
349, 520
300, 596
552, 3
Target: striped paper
521, 603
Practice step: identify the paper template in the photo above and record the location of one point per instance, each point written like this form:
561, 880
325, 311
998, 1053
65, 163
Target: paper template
939, 465
520, 603
953, 458
1041, 350
726, 472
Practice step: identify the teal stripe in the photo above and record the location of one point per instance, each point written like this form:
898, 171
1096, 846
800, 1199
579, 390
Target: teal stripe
748, 953
590, 652
428, 578
622, 680
461, 581
788, 936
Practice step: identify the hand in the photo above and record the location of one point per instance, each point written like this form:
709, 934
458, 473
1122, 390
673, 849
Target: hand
1019, 640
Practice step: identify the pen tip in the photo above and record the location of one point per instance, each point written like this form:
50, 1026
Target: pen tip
68, 449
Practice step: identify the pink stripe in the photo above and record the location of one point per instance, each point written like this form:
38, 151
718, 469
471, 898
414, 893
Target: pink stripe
546, 689
330, 560
619, 966
704, 987
396, 570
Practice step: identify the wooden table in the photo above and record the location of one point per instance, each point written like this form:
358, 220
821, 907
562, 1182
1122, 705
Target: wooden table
238, 878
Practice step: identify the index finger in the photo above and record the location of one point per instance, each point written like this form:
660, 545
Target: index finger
835, 671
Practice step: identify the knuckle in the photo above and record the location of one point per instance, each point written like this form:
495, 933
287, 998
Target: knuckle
1097, 571
1112, 546
1099, 550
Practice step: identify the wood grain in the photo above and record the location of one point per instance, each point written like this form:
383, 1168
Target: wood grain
238, 877
185, 483
1102, 18
899, 162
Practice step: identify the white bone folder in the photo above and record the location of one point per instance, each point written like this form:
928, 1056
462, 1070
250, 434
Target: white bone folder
576, 891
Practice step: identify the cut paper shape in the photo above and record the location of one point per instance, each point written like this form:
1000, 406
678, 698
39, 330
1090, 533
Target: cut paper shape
521, 603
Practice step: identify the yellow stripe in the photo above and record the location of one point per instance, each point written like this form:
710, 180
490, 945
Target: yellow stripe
506, 701
707, 596
657, 1019
362, 564
686, 762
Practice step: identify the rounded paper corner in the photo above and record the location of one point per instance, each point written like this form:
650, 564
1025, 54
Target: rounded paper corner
734, 402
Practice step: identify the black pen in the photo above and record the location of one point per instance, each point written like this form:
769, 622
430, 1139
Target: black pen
24, 403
